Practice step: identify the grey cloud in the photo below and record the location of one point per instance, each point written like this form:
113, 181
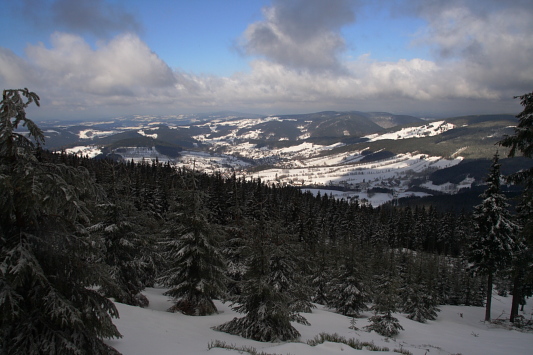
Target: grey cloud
94, 17
433, 7
305, 19
467, 27
486, 42
301, 34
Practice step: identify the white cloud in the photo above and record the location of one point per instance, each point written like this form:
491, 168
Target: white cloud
125, 66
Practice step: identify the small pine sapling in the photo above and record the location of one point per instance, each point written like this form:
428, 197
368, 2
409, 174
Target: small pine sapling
386, 300
384, 324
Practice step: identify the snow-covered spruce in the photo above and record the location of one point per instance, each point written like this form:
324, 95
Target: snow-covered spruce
384, 324
48, 271
418, 291
118, 232
521, 141
268, 287
386, 297
347, 294
196, 269
495, 241
267, 329
421, 305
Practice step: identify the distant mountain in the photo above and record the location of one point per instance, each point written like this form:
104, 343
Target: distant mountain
353, 123
387, 120
181, 129
374, 156
342, 125
224, 115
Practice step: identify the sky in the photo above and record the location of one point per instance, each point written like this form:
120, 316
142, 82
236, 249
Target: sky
92, 59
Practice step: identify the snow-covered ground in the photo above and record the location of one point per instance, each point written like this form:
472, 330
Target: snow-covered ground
92, 133
89, 150
322, 172
393, 174
457, 330
210, 163
430, 129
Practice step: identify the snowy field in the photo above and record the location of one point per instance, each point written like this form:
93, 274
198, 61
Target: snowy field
457, 330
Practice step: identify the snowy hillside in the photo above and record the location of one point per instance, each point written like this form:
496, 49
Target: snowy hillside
457, 330
90, 151
310, 164
297, 150
428, 130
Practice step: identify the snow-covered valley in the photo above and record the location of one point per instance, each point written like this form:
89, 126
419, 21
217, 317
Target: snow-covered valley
302, 163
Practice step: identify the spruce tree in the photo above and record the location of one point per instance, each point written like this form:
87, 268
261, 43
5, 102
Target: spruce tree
348, 289
267, 290
495, 241
420, 301
48, 273
522, 141
348, 294
287, 277
386, 299
196, 268
124, 252
263, 300
320, 280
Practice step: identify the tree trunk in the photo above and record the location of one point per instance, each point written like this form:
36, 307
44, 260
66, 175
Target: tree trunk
489, 297
516, 295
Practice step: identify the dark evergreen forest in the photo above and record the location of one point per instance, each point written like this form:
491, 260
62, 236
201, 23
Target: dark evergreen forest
322, 249
76, 232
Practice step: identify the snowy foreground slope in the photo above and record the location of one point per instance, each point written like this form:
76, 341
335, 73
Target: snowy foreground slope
457, 330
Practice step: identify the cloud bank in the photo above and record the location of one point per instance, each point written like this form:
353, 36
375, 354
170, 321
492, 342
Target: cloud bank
481, 59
